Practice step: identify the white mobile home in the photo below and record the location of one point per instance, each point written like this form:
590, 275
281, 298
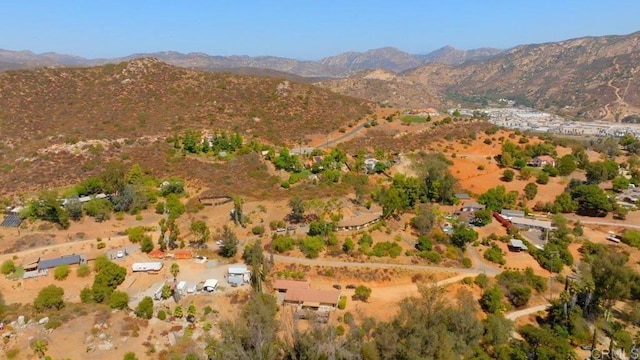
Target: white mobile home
146, 266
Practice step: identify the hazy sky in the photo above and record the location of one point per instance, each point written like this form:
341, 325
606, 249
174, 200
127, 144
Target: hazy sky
303, 29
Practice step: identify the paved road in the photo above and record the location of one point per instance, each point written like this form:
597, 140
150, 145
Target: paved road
524, 312
343, 137
605, 223
376, 265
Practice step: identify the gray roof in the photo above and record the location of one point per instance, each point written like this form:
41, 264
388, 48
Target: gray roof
515, 243
463, 196
543, 224
473, 205
63, 260
508, 212
11, 220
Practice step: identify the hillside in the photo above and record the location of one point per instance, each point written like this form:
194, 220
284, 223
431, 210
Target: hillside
50, 116
589, 78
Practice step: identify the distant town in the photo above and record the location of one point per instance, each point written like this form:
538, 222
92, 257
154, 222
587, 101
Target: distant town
529, 119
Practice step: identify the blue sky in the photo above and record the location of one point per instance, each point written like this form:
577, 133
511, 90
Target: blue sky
299, 28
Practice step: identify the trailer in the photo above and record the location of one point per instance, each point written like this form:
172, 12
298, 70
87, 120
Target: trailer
146, 266
182, 285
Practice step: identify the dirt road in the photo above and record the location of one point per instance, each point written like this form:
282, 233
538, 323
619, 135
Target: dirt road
376, 265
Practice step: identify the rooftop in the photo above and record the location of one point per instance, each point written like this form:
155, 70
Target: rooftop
359, 219
531, 222
308, 296
63, 260
290, 284
515, 243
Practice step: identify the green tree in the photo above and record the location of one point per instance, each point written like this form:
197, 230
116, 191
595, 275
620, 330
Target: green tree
175, 270
530, 191
498, 198
178, 312
462, 235
191, 311
620, 183
229, 246
491, 300
146, 246
508, 175
592, 201
348, 245
297, 209
119, 300
7, 267
424, 220
130, 356
566, 165
166, 291
144, 309
200, 231
61, 272
362, 293
282, 244
542, 178
49, 297
564, 203
311, 246
482, 217
83, 270
237, 211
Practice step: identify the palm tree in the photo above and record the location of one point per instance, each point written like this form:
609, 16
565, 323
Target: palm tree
40, 347
175, 270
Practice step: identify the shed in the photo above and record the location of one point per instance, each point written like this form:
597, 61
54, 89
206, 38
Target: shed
517, 245
210, 285
182, 285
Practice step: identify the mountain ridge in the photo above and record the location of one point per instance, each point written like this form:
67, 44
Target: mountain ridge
340, 65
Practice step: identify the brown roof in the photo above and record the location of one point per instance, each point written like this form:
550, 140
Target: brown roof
308, 295
546, 158
290, 284
360, 219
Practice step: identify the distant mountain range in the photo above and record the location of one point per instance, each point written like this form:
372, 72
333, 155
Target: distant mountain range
585, 78
335, 66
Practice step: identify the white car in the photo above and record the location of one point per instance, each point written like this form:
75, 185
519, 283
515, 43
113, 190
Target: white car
120, 254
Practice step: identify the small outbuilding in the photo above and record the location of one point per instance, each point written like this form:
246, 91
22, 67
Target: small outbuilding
516, 245
210, 285
509, 214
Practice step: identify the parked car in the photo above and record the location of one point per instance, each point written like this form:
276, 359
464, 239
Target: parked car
351, 286
291, 227
120, 254
281, 230
337, 286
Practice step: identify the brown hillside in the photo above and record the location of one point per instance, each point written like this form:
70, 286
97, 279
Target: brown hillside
591, 78
54, 119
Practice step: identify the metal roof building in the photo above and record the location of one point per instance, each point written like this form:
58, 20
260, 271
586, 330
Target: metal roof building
517, 245
63, 260
11, 220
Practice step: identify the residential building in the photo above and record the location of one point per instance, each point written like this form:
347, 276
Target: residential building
516, 245
472, 206
322, 300
543, 160
509, 214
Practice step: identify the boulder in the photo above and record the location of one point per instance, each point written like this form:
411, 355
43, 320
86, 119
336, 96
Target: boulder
89, 339
44, 320
21, 320
105, 345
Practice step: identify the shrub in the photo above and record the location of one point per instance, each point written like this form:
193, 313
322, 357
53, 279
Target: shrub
7, 267
508, 175
431, 256
282, 244
162, 315
482, 280
61, 272
466, 262
386, 248
362, 293
542, 178
83, 270
257, 230
119, 300
311, 246
342, 303
495, 255
101, 245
